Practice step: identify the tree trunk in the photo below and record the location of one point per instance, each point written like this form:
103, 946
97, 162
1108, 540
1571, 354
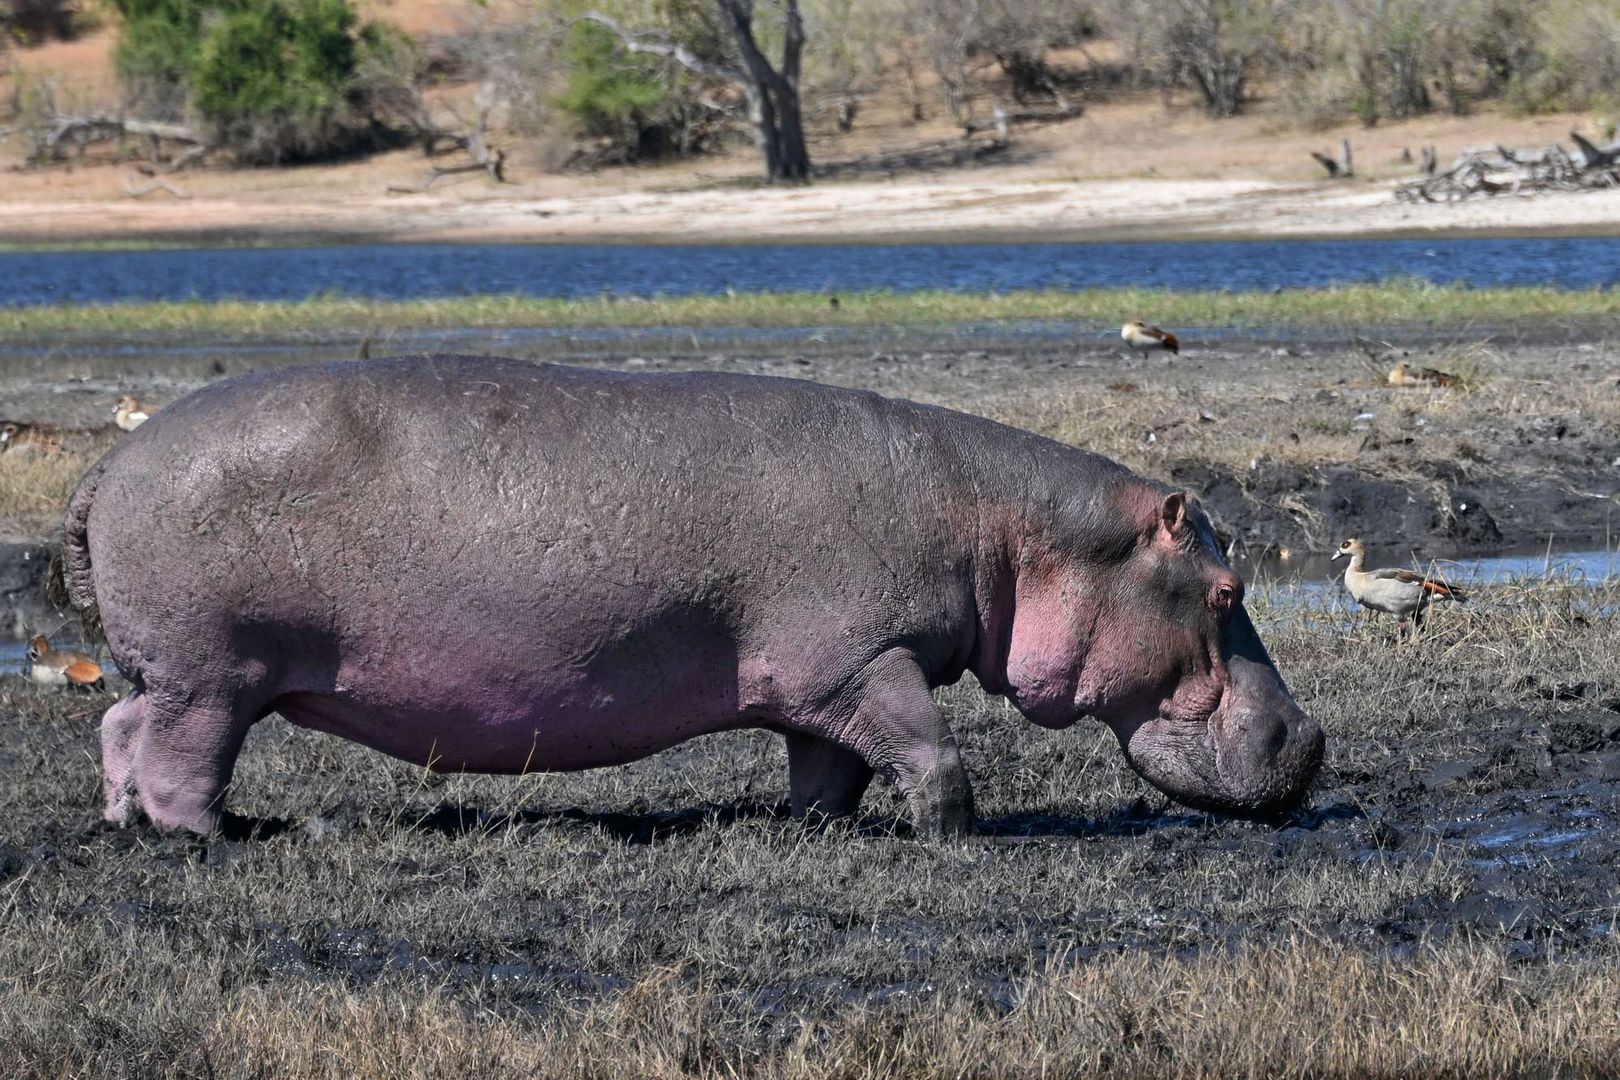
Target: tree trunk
773, 94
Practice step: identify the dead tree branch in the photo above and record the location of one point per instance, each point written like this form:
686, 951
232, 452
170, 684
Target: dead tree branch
1504, 170
649, 45
51, 139
1339, 168
135, 191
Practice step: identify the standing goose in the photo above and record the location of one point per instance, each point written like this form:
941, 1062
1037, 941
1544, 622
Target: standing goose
1139, 335
1403, 593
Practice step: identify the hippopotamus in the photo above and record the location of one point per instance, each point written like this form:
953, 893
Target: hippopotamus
498, 566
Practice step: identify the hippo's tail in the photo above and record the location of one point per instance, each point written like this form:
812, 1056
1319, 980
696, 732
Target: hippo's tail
71, 583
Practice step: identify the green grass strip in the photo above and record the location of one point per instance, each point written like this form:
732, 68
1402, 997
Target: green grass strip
1388, 302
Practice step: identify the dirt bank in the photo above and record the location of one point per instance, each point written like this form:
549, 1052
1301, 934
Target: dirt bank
1005, 207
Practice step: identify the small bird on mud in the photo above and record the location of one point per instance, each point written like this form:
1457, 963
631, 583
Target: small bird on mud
1403, 593
20, 438
1404, 374
62, 667
1139, 335
130, 414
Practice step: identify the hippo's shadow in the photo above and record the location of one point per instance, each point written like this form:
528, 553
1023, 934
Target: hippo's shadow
655, 826
1138, 817
650, 827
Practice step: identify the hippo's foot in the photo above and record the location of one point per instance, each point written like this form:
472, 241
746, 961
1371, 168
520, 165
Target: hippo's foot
169, 760
825, 780
942, 802
121, 730
899, 731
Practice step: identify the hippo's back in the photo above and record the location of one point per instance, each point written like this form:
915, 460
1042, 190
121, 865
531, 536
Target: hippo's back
399, 529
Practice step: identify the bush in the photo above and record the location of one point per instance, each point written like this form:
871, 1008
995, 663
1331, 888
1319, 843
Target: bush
633, 106
157, 49
272, 80
275, 80
608, 94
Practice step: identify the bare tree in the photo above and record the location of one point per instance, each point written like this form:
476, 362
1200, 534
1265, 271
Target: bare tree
772, 91
1215, 44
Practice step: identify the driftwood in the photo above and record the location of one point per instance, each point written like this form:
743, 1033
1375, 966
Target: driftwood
493, 164
157, 183
1003, 119
79, 131
1341, 167
1503, 170
472, 137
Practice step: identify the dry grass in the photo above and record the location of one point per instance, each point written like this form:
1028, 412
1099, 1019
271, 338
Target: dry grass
1298, 1009
35, 487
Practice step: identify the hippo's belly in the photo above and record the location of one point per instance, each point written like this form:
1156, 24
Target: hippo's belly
544, 715
515, 741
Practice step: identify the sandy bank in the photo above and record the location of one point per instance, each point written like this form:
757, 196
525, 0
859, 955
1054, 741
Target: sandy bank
968, 207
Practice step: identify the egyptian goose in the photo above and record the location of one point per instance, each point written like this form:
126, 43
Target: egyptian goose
1404, 374
1403, 593
23, 438
130, 414
1139, 335
60, 667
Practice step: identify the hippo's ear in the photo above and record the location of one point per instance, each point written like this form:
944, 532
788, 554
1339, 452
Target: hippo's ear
1173, 515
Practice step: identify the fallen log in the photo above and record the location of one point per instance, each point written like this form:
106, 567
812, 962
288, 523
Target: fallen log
494, 165
83, 129
1505, 170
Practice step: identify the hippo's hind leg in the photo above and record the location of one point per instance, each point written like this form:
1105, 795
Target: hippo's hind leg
824, 779
121, 729
897, 729
187, 752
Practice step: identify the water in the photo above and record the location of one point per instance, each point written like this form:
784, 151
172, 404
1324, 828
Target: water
1315, 578
402, 272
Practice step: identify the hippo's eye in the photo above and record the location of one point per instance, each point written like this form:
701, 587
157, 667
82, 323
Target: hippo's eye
1224, 598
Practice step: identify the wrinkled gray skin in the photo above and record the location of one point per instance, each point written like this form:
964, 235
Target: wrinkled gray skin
489, 565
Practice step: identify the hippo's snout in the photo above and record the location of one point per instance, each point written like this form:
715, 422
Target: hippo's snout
1266, 759
1256, 756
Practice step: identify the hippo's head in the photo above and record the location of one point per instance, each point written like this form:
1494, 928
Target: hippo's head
1126, 611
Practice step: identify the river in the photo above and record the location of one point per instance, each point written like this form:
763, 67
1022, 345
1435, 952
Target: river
404, 272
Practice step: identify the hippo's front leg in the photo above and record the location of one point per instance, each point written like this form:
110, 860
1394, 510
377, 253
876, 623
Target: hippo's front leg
898, 731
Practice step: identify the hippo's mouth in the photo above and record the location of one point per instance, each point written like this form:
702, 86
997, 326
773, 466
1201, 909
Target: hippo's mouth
1213, 762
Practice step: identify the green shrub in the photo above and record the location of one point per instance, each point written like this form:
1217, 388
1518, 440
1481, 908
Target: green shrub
608, 94
156, 51
272, 80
